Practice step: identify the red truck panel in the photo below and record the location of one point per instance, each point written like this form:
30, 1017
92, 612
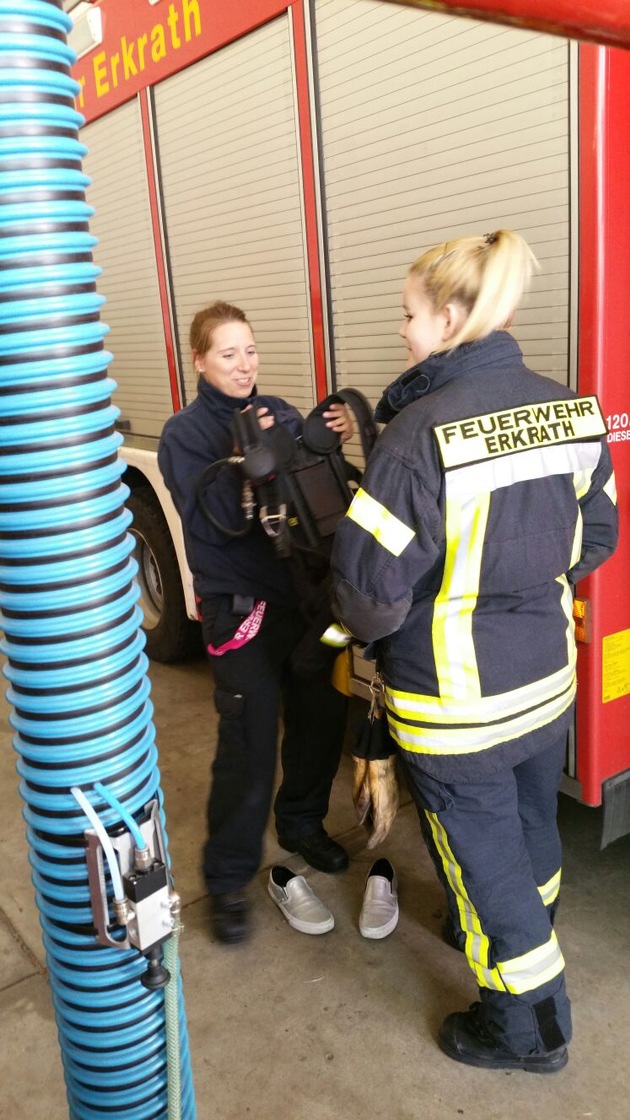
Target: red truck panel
603, 713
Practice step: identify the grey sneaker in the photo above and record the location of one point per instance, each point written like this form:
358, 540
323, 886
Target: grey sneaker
379, 913
300, 905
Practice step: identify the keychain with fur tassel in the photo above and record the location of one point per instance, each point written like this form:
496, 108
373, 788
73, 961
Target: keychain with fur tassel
375, 783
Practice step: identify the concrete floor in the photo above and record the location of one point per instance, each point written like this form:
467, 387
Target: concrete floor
291, 1027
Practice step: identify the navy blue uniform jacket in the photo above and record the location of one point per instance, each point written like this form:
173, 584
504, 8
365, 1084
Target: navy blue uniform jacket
488, 494
193, 439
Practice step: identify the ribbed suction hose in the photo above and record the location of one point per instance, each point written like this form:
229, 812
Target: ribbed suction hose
76, 667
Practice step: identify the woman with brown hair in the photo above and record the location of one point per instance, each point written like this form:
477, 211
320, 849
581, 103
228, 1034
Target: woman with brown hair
252, 625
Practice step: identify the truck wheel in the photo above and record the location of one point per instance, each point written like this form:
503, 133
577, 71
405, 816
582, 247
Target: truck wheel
170, 634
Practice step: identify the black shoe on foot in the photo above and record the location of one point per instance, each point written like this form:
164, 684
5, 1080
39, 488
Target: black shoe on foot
230, 917
465, 1038
319, 850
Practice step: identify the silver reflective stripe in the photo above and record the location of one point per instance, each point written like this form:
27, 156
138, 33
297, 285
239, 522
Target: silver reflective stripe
463, 740
533, 969
566, 602
468, 739
549, 891
571, 458
434, 709
384, 526
576, 550
520, 974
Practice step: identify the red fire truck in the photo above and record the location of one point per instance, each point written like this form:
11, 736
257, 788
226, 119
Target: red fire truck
293, 157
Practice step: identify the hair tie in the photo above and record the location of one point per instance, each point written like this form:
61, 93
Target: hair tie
490, 238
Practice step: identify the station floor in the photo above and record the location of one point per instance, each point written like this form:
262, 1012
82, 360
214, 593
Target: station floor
296, 1027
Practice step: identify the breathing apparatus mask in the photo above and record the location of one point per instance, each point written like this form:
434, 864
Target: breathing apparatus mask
300, 487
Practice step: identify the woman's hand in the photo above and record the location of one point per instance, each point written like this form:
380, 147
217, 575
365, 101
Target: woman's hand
339, 418
266, 419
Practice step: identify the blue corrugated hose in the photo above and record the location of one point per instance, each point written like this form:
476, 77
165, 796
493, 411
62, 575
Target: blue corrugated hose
75, 662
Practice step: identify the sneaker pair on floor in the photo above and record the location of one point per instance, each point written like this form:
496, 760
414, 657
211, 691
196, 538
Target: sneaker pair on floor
305, 912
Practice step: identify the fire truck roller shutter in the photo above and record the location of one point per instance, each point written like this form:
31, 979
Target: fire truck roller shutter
234, 220
126, 253
434, 126
170, 634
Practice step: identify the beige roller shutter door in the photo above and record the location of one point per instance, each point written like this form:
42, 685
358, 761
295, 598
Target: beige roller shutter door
434, 127
229, 158
122, 223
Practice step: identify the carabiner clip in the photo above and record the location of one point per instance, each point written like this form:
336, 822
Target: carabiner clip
377, 692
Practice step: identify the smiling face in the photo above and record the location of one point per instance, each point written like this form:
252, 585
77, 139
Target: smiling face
424, 329
231, 363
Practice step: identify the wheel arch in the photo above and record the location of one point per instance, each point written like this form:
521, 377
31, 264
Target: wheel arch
141, 471
167, 594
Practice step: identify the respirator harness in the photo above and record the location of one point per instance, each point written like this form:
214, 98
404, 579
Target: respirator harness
301, 486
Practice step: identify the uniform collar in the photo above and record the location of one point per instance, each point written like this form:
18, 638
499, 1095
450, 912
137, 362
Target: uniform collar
496, 350
222, 405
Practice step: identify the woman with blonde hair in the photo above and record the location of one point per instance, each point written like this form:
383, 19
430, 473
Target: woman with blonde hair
489, 493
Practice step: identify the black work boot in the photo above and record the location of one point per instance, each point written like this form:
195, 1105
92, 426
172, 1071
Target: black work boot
319, 849
230, 917
465, 1037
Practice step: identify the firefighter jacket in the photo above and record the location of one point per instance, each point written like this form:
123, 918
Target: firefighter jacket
191, 440
488, 494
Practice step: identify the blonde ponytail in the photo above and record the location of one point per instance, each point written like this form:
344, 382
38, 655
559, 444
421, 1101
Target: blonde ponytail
486, 275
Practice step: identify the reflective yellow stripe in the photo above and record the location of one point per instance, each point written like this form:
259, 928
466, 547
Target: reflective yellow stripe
582, 482
335, 635
550, 890
453, 645
477, 943
610, 489
416, 706
464, 740
533, 969
387, 529
517, 975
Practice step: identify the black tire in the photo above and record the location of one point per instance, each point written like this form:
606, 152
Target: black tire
170, 634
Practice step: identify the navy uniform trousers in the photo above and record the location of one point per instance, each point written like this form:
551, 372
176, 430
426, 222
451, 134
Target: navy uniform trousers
497, 851
254, 685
